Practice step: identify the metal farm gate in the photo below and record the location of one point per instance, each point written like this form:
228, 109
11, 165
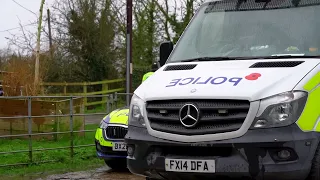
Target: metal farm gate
34, 124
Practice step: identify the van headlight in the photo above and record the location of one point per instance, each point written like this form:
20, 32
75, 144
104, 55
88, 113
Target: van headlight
280, 110
136, 117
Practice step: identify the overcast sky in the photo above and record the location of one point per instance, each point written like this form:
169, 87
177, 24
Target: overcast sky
10, 13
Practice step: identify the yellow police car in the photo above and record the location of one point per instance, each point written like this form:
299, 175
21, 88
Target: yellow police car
109, 138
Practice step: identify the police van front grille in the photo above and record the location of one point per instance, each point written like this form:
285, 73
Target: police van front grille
116, 132
216, 116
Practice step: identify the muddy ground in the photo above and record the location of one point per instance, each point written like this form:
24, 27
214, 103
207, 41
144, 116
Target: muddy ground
104, 173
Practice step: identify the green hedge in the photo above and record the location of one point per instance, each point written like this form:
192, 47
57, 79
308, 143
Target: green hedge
138, 73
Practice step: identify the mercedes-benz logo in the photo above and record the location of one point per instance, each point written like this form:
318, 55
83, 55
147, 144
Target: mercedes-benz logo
189, 115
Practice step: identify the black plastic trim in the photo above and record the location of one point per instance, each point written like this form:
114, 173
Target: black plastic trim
275, 64
180, 67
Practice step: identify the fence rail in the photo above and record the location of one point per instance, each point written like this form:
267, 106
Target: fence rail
105, 89
74, 105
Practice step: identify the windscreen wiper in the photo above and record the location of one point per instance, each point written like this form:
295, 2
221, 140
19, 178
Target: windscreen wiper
288, 56
209, 59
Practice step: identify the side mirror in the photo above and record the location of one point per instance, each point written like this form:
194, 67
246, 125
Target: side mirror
165, 51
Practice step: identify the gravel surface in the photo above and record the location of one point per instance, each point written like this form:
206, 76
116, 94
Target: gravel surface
98, 174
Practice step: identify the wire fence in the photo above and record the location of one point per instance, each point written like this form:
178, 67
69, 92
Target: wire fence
26, 118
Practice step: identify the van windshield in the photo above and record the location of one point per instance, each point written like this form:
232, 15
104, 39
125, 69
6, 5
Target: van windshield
252, 28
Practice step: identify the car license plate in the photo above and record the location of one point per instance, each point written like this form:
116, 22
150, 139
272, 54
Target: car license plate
188, 165
119, 146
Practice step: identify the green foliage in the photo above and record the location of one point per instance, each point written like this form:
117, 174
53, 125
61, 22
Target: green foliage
138, 74
92, 35
144, 33
60, 70
88, 53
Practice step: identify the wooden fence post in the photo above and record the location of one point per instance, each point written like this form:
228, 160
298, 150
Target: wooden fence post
105, 87
85, 90
65, 88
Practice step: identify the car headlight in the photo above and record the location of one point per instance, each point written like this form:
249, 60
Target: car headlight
136, 117
104, 122
280, 110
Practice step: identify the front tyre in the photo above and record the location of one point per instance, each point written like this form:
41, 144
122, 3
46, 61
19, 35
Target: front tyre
116, 164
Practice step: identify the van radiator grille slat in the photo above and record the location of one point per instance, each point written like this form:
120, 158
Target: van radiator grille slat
216, 116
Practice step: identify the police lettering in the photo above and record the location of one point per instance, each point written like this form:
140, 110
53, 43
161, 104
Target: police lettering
234, 81
173, 82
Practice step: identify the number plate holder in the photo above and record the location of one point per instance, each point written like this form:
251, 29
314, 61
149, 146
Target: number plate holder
190, 165
119, 146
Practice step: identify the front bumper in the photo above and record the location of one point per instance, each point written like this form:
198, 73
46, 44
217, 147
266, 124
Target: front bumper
253, 155
105, 152
104, 147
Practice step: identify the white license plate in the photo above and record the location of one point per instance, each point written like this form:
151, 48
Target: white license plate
188, 165
119, 146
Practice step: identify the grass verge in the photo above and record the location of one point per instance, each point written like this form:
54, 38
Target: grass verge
84, 158
43, 170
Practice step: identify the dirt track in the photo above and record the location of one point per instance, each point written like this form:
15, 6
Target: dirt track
98, 174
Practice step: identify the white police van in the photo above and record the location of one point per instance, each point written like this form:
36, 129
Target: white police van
238, 96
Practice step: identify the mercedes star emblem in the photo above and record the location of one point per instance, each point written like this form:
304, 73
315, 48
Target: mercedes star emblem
189, 115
